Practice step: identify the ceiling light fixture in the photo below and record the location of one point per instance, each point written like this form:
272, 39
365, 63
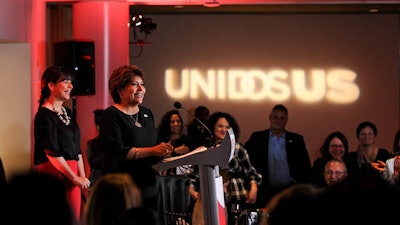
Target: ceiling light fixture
141, 28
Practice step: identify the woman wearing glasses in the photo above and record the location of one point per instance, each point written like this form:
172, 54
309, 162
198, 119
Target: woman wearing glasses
335, 146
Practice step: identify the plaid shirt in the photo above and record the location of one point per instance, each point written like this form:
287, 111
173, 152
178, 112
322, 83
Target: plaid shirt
237, 176
240, 174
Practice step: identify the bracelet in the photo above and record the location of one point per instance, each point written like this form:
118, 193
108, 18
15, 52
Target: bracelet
136, 153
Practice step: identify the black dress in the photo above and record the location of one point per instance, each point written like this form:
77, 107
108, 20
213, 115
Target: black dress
119, 134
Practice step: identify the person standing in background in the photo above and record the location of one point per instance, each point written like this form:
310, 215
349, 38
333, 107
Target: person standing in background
279, 155
95, 151
241, 179
57, 136
196, 130
129, 134
367, 158
335, 146
170, 130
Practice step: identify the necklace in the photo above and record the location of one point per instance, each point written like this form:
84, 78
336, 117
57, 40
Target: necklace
136, 120
63, 116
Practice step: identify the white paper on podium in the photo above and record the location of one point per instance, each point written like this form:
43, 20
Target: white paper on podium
197, 150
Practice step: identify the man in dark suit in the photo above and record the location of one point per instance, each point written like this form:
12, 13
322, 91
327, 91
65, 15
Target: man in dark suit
279, 155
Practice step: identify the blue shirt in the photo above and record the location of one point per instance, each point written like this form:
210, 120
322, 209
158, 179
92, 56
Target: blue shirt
277, 160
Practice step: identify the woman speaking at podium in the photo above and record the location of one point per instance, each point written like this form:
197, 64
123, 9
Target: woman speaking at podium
129, 134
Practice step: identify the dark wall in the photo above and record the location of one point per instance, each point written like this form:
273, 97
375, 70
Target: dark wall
298, 60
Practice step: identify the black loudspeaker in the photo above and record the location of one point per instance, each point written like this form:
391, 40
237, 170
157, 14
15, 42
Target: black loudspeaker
78, 55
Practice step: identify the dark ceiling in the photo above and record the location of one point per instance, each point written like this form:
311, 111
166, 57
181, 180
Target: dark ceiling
268, 9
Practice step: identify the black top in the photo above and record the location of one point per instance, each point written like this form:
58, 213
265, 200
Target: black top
55, 138
119, 134
356, 165
95, 157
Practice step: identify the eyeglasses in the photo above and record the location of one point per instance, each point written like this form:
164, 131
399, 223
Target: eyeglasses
337, 173
336, 146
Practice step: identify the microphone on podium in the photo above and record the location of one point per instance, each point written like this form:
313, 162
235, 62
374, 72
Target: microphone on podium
178, 105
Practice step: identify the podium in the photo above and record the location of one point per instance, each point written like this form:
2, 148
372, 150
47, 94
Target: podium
211, 184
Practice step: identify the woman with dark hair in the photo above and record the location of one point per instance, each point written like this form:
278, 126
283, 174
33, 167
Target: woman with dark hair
368, 157
170, 130
241, 179
129, 134
57, 135
335, 146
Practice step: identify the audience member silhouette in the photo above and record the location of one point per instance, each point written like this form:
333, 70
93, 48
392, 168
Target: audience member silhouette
358, 199
116, 199
293, 204
35, 198
335, 146
279, 155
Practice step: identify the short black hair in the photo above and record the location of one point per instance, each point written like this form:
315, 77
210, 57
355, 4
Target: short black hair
364, 125
280, 107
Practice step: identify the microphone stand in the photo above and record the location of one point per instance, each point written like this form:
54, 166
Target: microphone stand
179, 106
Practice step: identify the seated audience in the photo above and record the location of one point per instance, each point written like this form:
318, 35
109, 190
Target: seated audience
358, 199
335, 146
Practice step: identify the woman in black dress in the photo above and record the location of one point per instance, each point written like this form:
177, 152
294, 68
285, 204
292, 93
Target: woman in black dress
129, 134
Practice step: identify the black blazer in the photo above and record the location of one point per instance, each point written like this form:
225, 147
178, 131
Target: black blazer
297, 156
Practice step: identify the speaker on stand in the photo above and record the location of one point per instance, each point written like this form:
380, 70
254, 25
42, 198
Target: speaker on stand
78, 55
